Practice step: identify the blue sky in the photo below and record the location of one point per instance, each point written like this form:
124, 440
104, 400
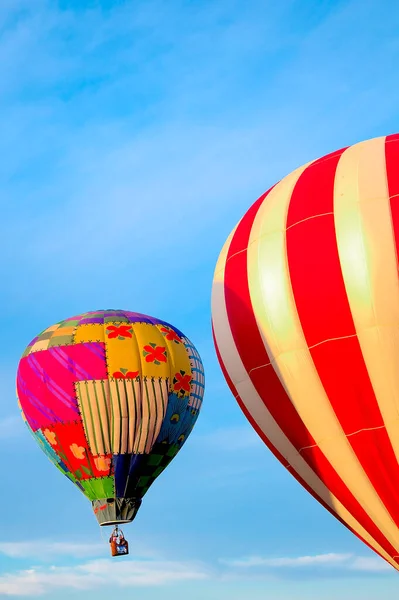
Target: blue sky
134, 136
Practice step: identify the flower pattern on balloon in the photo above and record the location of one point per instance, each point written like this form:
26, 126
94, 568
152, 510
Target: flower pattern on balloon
182, 383
171, 335
102, 463
155, 354
125, 374
120, 332
77, 451
50, 437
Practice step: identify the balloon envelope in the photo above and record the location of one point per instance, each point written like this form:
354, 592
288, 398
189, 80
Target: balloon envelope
111, 397
305, 310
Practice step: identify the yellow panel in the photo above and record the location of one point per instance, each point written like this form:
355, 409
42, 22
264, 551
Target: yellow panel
178, 359
148, 353
40, 345
63, 331
93, 332
123, 353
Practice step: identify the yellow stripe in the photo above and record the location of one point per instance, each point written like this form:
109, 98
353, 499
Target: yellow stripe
94, 395
84, 405
124, 424
368, 258
259, 412
133, 415
115, 416
105, 411
161, 401
278, 322
154, 415
147, 412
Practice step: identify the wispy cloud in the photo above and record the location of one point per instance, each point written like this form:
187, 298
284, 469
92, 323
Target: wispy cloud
154, 571
48, 549
349, 562
146, 569
99, 573
369, 564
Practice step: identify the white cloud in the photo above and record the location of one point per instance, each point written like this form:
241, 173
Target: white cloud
146, 570
299, 561
45, 549
370, 564
330, 560
99, 573
150, 572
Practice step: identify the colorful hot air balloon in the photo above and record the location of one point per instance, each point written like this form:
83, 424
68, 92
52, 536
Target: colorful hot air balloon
305, 310
111, 397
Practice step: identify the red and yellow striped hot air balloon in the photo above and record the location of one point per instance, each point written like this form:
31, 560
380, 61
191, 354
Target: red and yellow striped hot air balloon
305, 310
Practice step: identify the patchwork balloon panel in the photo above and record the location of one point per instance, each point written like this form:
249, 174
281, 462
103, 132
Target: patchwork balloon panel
111, 397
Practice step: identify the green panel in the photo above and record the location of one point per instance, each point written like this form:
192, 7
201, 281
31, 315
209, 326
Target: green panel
97, 488
172, 451
159, 471
143, 481
61, 340
116, 319
154, 459
88, 489
45, 336
69, 323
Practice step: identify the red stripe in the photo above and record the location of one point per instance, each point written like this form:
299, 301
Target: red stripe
313, 205
246, 334
253, 354
392, 165
325, 314
372, 529
394, 137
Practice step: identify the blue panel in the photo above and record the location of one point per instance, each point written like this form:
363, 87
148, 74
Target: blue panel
126, 472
